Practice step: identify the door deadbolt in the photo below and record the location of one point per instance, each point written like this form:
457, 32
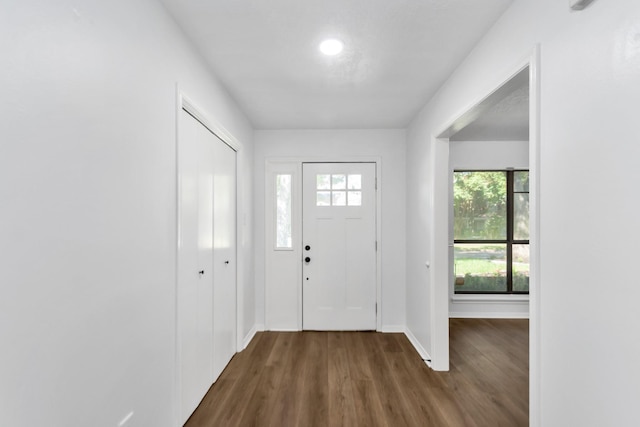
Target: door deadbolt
307, 259
306, 248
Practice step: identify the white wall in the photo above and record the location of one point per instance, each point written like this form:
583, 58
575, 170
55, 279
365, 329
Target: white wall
338, 145
88, 202
586, 361
485, 155
488, 155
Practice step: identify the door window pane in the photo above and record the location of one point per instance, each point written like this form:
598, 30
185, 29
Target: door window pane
480, 205
521, 268
283, 212
323, 182
480, 267
339, 198
354, 182
323, 198
338, 182
354, 198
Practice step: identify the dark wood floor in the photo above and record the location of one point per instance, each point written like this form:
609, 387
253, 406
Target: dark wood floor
373, 379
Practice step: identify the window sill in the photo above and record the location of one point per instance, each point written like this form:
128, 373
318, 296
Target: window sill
489, 298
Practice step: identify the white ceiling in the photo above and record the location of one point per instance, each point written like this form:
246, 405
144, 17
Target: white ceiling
397, 54
502, 116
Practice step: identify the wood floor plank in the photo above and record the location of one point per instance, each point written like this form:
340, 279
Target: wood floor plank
315, 395
368, 406
265, 397
358, 365
341, 401
288, 402
373, 379
393, 404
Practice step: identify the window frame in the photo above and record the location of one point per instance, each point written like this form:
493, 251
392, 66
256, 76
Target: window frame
509, 241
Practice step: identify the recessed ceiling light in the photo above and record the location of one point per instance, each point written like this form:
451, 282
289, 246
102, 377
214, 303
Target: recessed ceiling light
331, 47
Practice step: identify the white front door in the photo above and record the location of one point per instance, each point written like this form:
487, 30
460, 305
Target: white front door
339, 246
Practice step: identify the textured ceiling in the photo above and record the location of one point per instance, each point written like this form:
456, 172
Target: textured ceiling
505, 116
397, 54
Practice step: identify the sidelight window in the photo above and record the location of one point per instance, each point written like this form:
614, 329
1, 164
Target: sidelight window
284, 223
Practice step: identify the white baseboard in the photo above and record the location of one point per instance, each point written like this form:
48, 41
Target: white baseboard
419, 348
390, 329
484, 315
285, 330
247, 339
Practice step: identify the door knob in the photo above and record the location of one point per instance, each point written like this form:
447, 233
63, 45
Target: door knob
307, 259
201, 272
226, 262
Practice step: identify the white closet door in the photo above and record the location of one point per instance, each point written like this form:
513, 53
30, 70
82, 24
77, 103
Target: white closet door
195, 263
224, 256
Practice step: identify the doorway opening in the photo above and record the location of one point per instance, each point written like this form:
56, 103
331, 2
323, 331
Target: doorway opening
479, 123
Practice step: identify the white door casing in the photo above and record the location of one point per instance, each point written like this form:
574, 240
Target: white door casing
339, 230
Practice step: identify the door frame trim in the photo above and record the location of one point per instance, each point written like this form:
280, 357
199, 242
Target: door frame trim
296, 163
184, 102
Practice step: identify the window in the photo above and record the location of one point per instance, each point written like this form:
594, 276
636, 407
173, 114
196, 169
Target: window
338, 190
283, 212
491, 231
